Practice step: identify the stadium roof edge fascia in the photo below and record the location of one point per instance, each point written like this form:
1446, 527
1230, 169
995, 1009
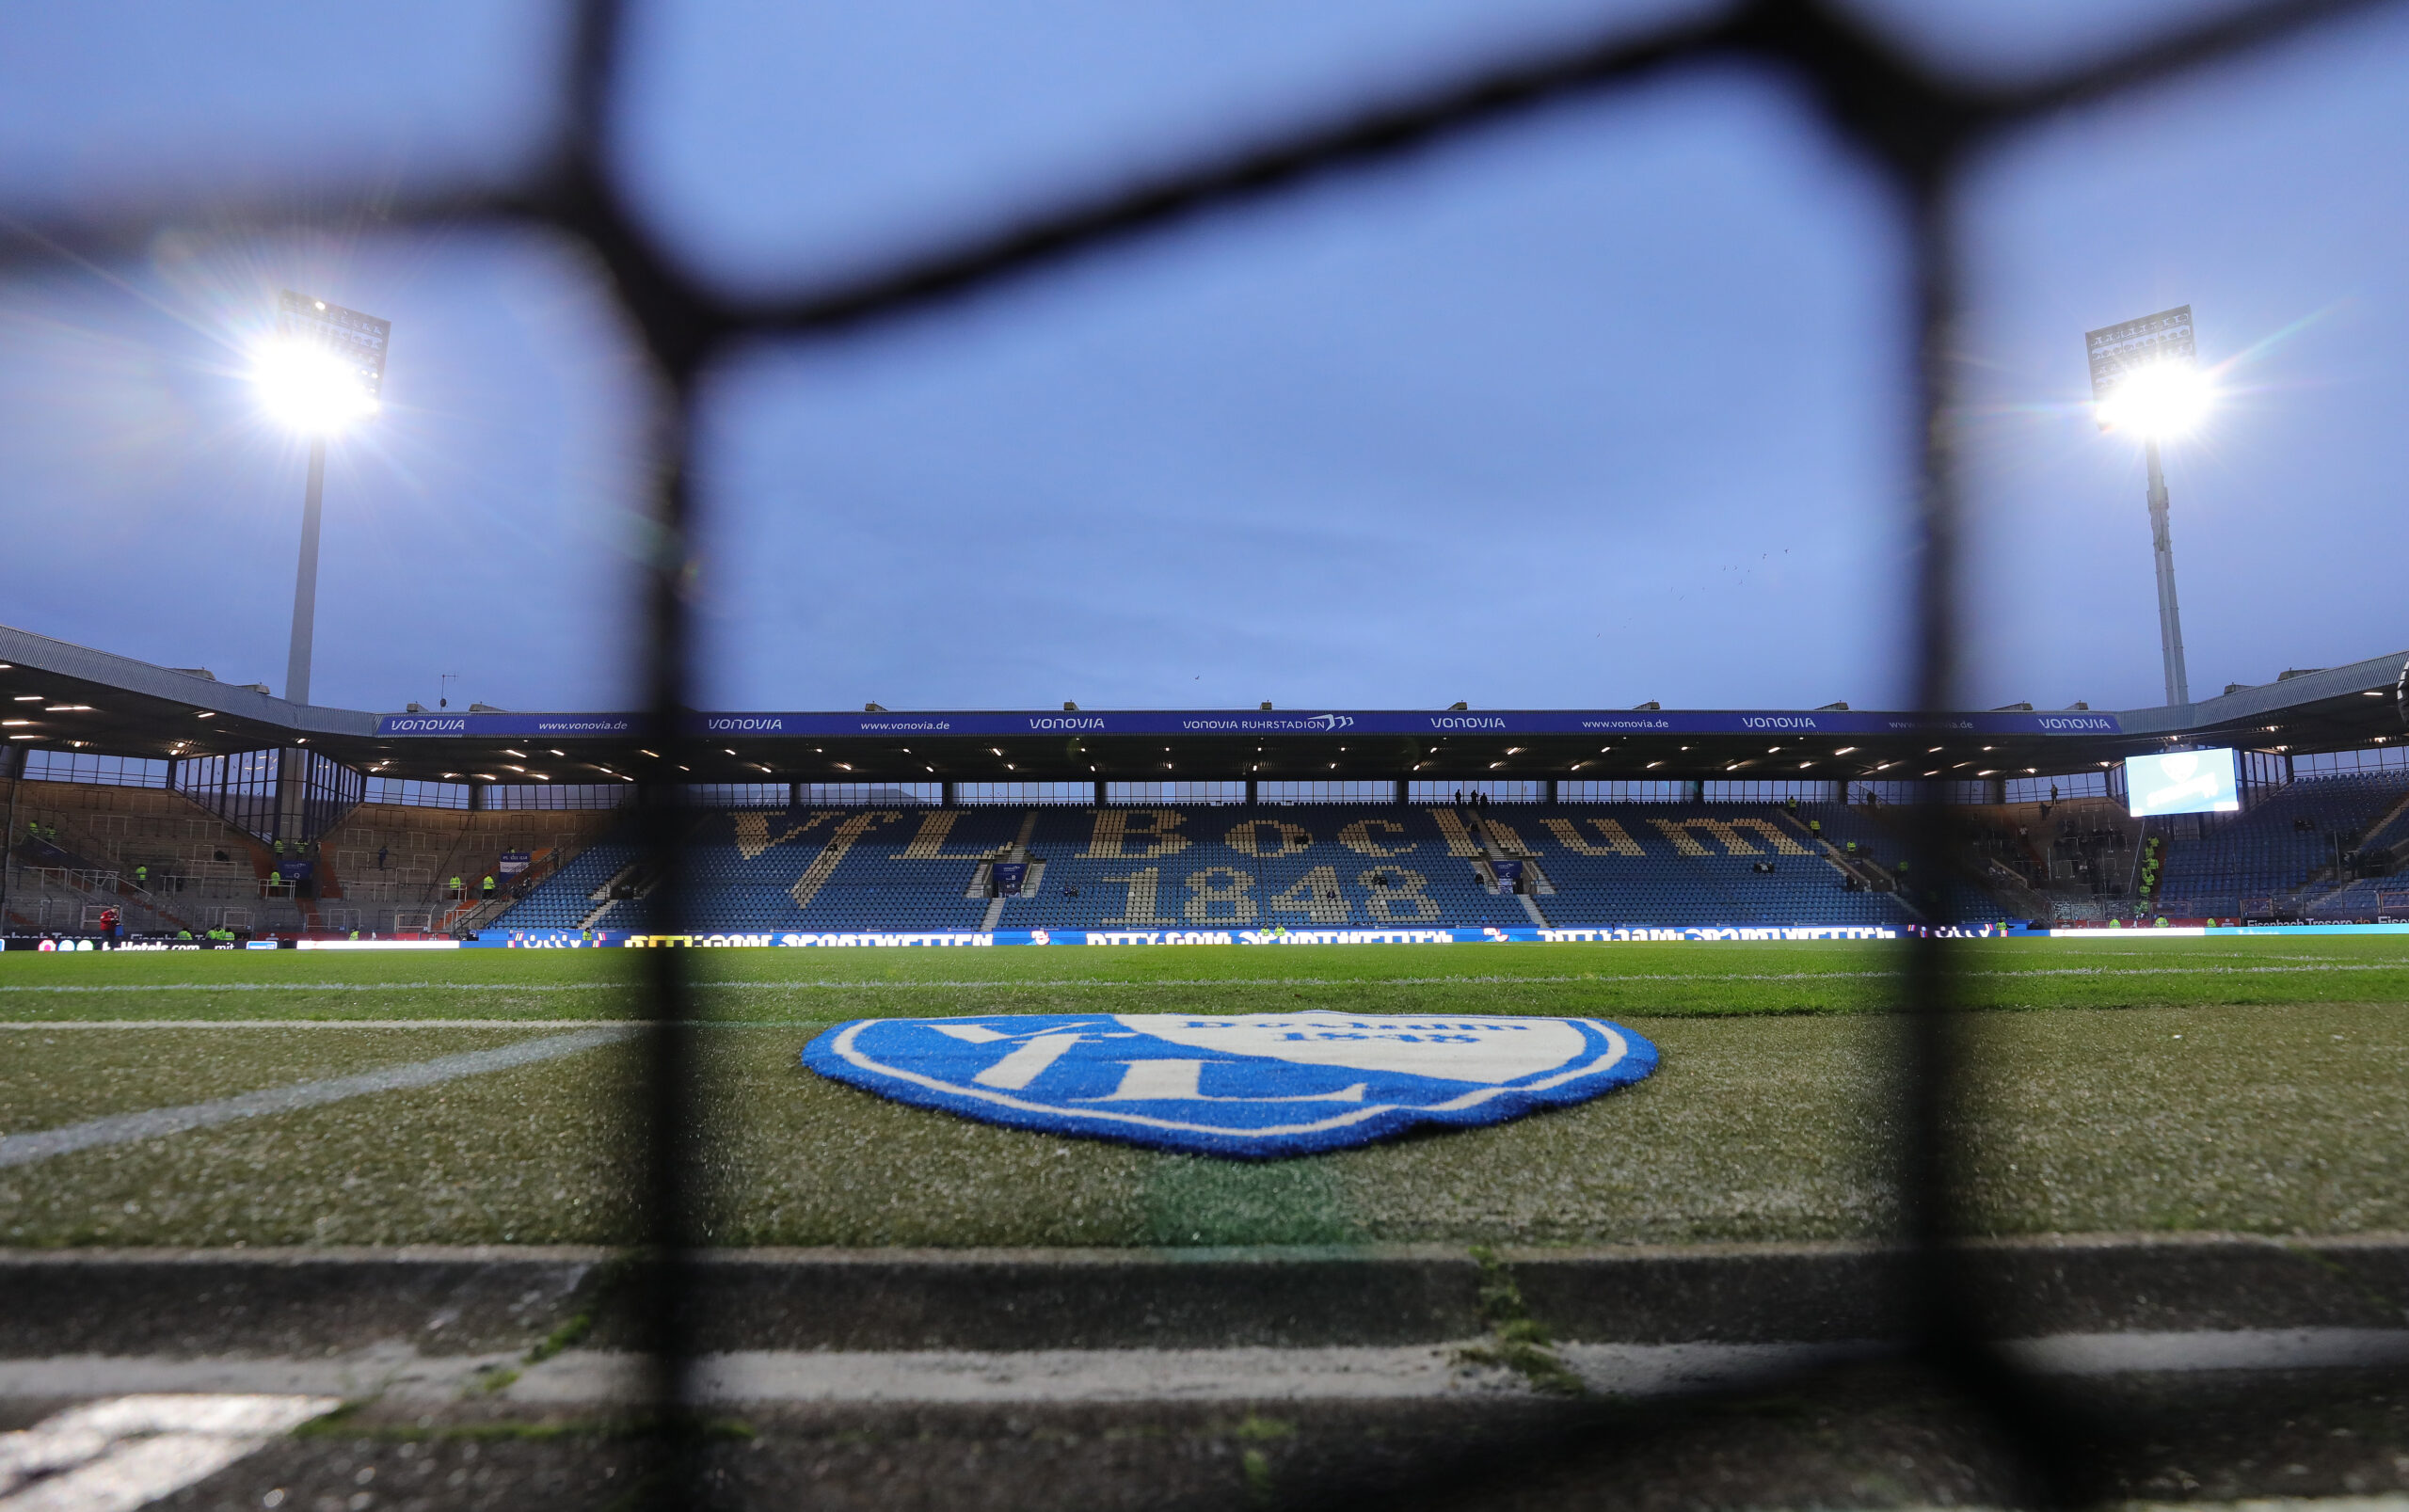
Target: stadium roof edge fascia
106, 669
2376, 674
121, 706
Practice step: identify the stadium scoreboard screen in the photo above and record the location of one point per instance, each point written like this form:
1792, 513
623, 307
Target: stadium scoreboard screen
2181, 782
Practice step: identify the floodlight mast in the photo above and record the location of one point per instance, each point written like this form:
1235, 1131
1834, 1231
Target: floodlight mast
305, 579
329, 366
2155, 347
2170, 614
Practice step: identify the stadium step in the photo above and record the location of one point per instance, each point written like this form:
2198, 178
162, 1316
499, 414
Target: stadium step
1726, 1375
1723, 1375
1029, 884
215, 1302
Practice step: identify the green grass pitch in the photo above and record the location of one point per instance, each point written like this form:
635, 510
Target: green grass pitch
2124, 1085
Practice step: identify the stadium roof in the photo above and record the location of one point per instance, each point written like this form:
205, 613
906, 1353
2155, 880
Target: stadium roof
62, 695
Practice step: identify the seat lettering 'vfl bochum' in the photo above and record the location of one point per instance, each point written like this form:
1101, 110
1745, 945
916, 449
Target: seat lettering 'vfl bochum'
1249, 1087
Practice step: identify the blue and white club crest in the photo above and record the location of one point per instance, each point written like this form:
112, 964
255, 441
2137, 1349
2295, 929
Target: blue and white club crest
1251, 1085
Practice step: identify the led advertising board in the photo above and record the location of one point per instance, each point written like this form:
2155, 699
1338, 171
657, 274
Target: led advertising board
2181, 782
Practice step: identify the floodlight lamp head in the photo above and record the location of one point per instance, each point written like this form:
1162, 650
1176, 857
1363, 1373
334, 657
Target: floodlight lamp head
310, 386
2156, 401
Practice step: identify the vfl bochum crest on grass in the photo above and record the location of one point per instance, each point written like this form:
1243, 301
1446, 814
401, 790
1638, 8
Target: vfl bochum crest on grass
1248, 1085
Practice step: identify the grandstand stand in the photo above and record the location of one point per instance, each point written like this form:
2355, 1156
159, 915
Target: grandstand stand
756, 870
166, 864
88, 845
388, 865
2275, 852
1301, 866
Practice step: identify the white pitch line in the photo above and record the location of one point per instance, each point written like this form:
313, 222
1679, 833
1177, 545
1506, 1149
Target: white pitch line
329, 987
30, 1025
127, 1452
1249, 1374
124, 1128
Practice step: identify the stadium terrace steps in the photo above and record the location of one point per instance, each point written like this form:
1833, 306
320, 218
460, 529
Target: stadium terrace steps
565, 899
1233, 867
397, 859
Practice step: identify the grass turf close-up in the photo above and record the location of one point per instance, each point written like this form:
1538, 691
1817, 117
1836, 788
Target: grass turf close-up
2119, 1084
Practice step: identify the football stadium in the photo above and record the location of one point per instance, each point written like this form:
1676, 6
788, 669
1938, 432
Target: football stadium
677, 1091
203, 815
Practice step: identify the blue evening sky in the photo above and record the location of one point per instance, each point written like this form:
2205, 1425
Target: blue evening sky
1603, 404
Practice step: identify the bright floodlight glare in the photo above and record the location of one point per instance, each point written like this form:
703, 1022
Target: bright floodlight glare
2162, 400
307, 386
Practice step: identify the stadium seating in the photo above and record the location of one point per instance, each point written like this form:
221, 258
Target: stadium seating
2366, 898
755, 870
2276, 847
1300, 867
385, 860
1303, 866
884, 869
1698, 865
563, 900
1373, 865
2392, 830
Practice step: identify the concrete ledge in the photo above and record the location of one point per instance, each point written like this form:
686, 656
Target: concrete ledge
1090, 1299
2123, 1283
193, 1303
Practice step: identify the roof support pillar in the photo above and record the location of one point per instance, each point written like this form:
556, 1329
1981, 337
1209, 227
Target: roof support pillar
291, 792
1402, 788
1099, 792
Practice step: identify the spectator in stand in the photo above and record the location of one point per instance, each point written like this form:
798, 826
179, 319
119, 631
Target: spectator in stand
380, 858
